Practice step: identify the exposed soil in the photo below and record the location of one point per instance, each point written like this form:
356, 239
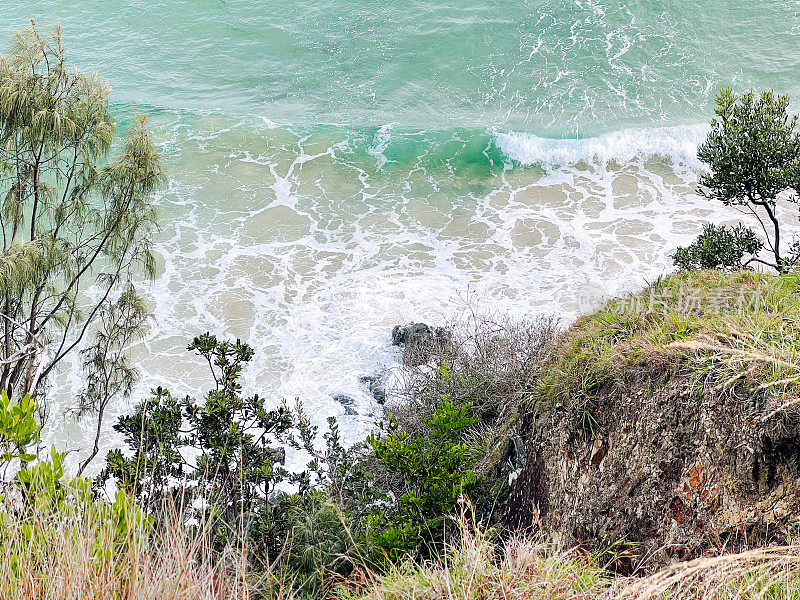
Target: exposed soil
659, 472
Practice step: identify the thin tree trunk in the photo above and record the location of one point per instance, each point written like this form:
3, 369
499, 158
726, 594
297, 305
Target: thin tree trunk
96, 447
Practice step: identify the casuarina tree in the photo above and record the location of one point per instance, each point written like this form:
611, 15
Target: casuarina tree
76, 222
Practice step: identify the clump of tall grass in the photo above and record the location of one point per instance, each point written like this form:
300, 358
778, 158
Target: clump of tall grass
475, 568
762, 574
523, 568
77, 554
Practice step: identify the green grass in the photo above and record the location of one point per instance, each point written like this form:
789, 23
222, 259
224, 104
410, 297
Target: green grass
731, 332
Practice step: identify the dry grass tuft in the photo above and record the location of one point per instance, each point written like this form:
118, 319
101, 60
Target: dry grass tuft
524, 569
474, 571
488, 361
81, 561
80, 557
761, 574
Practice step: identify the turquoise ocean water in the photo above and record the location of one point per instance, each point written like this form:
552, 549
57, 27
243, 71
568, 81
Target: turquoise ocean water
338, 167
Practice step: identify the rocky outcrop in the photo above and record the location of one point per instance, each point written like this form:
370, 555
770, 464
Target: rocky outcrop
657, 472
419, 341
347, 402
376, 386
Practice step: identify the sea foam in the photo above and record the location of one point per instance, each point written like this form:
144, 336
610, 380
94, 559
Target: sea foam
679, 144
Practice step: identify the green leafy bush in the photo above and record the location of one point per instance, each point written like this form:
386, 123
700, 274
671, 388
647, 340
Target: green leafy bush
435, 471
229, 467
719, 248
326, 521
153, 432
352, 506
52, 506
18, 429
753, 152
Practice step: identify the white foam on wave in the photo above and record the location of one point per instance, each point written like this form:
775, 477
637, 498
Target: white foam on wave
678, 143
382, 138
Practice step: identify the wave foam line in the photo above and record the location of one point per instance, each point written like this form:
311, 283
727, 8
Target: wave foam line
677, 143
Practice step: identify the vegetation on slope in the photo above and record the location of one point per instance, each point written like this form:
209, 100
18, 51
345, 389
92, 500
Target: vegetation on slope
736, 330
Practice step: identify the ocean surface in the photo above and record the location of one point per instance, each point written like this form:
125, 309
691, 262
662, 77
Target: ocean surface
340, 167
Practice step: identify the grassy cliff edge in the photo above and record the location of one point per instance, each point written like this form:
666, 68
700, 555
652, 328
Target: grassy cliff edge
666, 424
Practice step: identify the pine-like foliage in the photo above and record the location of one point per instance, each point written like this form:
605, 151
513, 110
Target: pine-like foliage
73, 220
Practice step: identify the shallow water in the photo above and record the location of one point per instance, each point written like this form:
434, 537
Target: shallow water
340, 167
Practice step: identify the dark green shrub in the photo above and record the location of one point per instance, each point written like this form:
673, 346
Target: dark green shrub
434, 467
230, 466
719, 248
153, 432
327, 519
753, 152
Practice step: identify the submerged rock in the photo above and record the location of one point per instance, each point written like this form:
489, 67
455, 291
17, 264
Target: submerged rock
376, 386
347, 402
419, 341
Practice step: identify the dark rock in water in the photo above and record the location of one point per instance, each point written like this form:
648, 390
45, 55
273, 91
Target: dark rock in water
377, 392
347, 402
376, 387
344, 399
419, 341
411, 334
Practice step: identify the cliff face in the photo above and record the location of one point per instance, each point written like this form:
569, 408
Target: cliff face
660, 444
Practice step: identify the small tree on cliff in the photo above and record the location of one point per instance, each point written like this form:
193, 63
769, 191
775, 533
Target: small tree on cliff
72, 221
231, 473
753, 151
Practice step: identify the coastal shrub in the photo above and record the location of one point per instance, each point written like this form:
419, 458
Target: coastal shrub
327, 520
719, 248
344, 471
490, 362
753, 153
450, 433
49, 503
18, 430
153, 432
434, 471
217, 454
221, 459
